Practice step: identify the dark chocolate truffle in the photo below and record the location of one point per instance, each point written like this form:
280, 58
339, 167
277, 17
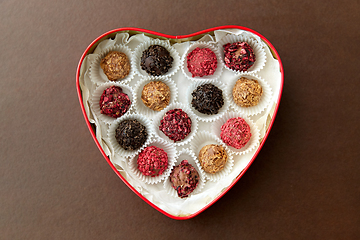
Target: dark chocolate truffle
156, 95
247, 92
184, 178
207, 99
156, 60
176, 124
201, 62
235, 132
152, 161
212, 158
238, 56
131, 134
116, 65
113, 102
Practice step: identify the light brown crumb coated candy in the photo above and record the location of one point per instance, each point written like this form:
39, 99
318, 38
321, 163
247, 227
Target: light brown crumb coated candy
212, 158
156, 95
247, 92
116, 65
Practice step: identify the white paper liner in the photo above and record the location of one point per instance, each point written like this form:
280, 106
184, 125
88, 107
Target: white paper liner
141, 107
158, 117
98, 76
260, 56
185, 154
112, 140
204, 138
264, 100
145, 45
171, 153
206, 117
254, 139
95, 98
220, 63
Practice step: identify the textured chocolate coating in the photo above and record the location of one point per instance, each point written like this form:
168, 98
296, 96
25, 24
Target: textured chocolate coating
176, 124
239, 56
131, 134
113, 102
156, 95
212, 158
116, 65
156, 60
184, 178
152, 161
207, 99
247, 92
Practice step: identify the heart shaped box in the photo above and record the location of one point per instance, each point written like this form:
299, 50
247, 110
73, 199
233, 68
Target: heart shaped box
178, 208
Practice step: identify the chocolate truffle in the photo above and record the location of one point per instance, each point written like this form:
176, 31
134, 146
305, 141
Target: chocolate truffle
207, 99
238, 56
131, 134
176, 124
247, 92
156, 95
156, 60
235, 132
116, 65
184, 179
152, 161
212, 158
201, 62
113, 102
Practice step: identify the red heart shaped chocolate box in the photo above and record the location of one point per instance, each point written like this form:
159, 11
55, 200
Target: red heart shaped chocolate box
268, 71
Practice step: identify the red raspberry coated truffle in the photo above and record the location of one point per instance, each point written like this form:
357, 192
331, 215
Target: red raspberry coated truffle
152, 161
238, 56
113, 102
201, 62
235, 132
184, 178
176, 124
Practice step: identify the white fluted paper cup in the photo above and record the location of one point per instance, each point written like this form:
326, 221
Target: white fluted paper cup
255, 135
265, 98
202, 116
158, 117
145, 45
185, 154
116, 146
98, 76
96, 95
139, 104
258, 49
213, 47
171, 153
204, 138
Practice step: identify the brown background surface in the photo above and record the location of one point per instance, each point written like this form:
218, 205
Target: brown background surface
55, 184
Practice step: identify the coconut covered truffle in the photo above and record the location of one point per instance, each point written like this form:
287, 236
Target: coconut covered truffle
131, 134
152, 161
156, 95
235, 132
247, 92
116, 65
184, 179
156, 60
175, 124
207, 99
113, 102
238, 56
212, 158
201, 62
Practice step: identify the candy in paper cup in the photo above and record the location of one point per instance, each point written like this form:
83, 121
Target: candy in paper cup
96, 95
203, 139
185, 154
265, 98
258, 49
202, 116
97, 74
201, 45
255, 135
144, 46
168, 148
139, 104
